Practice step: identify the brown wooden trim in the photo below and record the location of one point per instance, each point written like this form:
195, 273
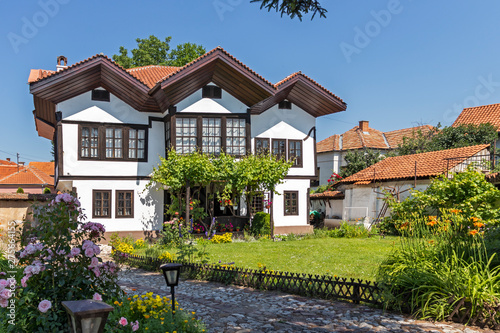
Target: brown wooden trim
286, 147
58, 151
62, 177
109, 206
117, 192
301, 163
301, 177
308, 203
268, 140
284, 203
101, 128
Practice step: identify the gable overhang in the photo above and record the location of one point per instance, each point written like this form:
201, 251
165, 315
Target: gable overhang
98, 71
222, 69
306, 94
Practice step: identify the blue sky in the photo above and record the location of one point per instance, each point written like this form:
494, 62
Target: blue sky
396, 63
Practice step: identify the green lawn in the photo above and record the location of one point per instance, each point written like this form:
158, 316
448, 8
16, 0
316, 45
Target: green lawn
344, 257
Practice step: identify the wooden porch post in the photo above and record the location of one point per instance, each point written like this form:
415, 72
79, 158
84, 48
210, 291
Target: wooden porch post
188, 195
272, 215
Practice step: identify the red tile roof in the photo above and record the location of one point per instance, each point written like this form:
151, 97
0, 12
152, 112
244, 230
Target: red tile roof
480, 115
6, 170
356, 138
403, 167
152, 74
395, 138
5, 162
46, 167
155, 74
327, 195
26, 176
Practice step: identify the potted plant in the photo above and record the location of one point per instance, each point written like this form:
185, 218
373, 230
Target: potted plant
237, 229
267, 203
229, 226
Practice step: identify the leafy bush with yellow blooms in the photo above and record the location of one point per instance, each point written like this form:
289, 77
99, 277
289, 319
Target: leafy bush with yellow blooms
151, 313
167, 256
139, 243
123, 247
219, 239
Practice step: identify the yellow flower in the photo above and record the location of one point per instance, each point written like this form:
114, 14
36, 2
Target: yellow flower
193, 312
146, 316
185, 321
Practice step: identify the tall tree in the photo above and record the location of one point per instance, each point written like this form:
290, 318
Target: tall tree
153, 51
448, 138
358, 160
293, 8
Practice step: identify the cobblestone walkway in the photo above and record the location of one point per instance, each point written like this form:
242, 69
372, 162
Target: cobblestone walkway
238, 309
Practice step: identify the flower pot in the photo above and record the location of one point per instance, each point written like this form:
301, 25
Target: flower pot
268, 206
230, 229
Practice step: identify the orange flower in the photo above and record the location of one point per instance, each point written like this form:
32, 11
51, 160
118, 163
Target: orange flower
473, 232
432, 223
478, 224
432, 218
455, 211
474, 219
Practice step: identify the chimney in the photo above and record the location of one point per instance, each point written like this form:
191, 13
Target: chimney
62, 63
8, 159
363, 125
21, 163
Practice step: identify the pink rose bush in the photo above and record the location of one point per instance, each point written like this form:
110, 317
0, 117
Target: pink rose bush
60, 263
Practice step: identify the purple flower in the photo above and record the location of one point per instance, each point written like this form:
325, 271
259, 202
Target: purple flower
89, 252
75, 251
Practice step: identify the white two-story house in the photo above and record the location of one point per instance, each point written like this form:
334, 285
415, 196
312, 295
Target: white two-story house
110, 125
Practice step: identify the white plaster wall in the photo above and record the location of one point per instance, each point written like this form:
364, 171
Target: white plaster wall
148, 204
361, 201
325, 165
301, 185
226, 104
83, 108
292, 124
331, 208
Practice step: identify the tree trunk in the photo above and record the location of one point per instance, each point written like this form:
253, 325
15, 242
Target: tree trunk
188, 194
272, 216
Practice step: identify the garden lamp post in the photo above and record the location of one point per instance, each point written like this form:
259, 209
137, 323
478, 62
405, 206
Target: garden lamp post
171, 274
87, 316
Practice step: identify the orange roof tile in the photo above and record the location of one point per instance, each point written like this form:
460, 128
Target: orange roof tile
403, 167
355, 138
327, 195
46, 167
150, 75
27, 176
6, 170
329, 144
395, 138
480, 115
5, 162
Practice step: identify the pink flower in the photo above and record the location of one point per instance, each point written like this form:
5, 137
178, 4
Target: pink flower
94, 262
123, 321
89, 252
87, 244
135, 326
4, 283
23, 281
5, 294
75, 251
97, 297
3, 303
3, 273
96, 271
97, 249
44, 306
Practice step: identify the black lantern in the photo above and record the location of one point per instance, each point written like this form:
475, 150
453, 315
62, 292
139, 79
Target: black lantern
87, 316
171, 274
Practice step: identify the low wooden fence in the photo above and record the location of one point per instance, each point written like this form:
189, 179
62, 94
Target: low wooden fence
321, 286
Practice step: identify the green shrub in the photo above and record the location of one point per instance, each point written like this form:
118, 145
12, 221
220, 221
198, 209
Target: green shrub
440, 261
20, 190
261, 224
46, 190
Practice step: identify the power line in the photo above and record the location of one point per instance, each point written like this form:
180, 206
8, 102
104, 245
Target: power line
24, 156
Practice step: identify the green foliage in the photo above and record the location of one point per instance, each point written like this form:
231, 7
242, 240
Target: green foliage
46, 190
20, 190
174, 232
261, 224
448, 138
293, 8
60, 264
467, 191
150, 313
441, 261
358, 160
153, 51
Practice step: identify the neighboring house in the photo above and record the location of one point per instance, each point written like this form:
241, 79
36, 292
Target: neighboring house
480, 115
332, 150
33, 178
363, 191
110, 125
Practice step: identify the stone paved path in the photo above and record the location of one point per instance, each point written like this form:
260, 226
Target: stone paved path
238, 309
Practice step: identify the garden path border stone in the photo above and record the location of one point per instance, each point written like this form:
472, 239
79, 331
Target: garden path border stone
231, 309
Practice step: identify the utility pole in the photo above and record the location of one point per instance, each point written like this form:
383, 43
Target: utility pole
17, 162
